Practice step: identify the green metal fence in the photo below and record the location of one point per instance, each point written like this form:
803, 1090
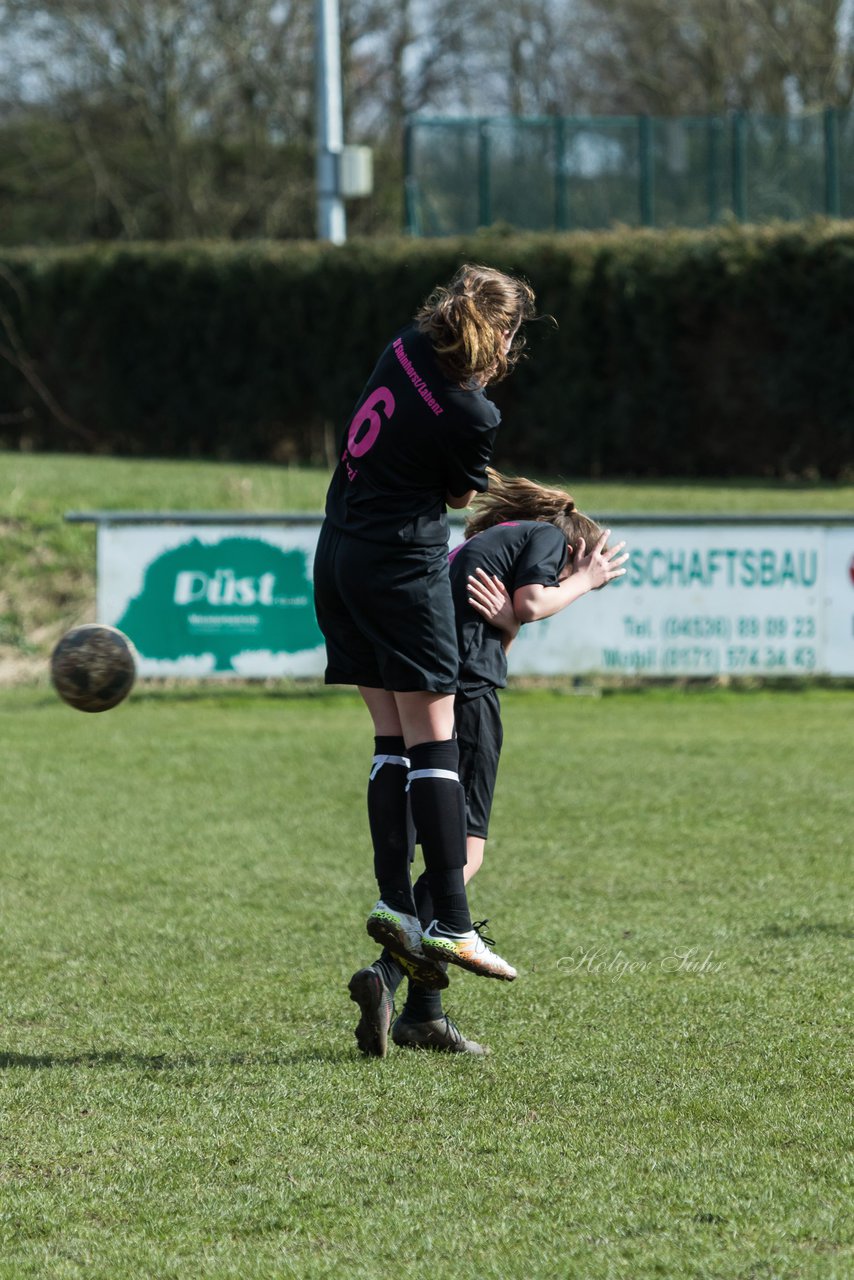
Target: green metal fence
571, 173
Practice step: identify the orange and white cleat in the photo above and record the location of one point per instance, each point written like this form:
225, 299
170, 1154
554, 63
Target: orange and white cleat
469, 950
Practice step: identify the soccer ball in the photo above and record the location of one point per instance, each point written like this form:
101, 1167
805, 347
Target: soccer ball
93, 667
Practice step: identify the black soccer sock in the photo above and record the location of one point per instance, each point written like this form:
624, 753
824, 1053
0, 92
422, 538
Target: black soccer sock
392, 830
392, 974
423, 1004
423, 900
439, 812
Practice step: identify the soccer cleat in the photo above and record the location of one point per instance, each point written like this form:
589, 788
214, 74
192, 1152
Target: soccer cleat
469, 950
416, 967
373, 997
401, 933
440, 1034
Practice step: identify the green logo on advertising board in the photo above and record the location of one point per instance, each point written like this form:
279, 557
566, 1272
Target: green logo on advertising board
223, 599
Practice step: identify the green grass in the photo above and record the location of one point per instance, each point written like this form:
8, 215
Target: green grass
181, 1095
47, 567
50, 484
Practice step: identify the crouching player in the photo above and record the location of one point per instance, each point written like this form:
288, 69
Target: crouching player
525, 557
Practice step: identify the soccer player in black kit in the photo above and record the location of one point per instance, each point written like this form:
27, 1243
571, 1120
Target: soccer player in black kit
419, 440
525, 557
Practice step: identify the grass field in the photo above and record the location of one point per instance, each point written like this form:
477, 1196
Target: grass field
184, 886
47, 567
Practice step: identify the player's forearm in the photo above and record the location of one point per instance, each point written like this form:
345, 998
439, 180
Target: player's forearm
533, 603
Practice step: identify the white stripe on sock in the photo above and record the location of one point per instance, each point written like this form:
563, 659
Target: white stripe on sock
431, 773
379, 761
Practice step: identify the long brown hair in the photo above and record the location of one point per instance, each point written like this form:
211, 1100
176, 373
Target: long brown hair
468, 320
512, 498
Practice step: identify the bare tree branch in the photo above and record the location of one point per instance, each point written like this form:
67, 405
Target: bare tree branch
17, 356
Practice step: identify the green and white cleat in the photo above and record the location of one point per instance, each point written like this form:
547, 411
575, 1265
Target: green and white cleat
401, 933
469, 950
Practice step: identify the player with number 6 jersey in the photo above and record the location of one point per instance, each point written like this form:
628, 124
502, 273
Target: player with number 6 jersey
419, 440
413, 438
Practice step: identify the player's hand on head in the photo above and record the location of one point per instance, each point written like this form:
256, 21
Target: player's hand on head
601, 565
488, 595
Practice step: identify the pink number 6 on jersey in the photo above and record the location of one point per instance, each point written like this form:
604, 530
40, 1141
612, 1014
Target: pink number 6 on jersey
367, 413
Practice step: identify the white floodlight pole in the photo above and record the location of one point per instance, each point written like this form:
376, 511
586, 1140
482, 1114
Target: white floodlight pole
331, 220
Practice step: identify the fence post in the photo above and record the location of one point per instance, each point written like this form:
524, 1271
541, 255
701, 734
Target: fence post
739, 167
832, 203
647, 175
713, 157
560, 177
484, 201
410, 184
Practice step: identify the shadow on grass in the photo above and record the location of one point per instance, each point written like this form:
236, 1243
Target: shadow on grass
212, 690
217, 694
180, 1062
808, 929
194, 689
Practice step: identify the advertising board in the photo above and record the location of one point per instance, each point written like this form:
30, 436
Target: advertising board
700, 598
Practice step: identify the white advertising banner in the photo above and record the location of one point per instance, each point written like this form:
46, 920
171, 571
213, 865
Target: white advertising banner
839, 601
706, 600
213, 600
699, 599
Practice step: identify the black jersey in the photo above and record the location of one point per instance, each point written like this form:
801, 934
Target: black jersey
413, 437
519, 553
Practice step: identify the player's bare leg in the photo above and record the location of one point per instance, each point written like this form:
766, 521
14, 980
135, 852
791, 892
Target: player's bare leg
475, 846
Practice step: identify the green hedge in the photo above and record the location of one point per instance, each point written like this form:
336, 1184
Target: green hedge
714, 353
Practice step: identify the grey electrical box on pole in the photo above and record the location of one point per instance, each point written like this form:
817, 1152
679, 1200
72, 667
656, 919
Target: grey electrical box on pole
331, 220
356, 172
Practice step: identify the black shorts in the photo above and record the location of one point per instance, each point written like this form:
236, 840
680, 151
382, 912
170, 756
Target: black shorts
480, 735
386, 613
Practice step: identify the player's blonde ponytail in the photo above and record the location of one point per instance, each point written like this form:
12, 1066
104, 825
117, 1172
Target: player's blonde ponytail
468, 321
512, 498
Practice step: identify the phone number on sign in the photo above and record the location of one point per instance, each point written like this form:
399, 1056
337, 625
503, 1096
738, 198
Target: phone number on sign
721, 627
712, 660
